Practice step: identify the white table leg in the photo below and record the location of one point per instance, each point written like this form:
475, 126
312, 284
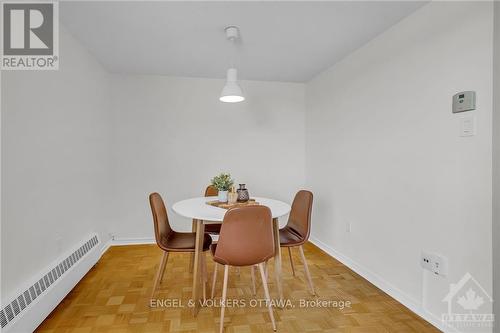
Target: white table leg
200, 231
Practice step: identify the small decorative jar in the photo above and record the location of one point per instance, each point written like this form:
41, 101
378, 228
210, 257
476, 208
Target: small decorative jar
222, 196
232, 196
243, 195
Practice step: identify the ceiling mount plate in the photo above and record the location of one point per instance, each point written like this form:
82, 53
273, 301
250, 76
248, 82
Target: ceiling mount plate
232, 32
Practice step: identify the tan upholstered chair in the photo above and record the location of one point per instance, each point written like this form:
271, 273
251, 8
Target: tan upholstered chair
296, 232
246, 239
211, 191
172, 241
212, 228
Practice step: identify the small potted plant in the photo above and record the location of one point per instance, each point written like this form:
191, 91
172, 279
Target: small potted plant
223, 183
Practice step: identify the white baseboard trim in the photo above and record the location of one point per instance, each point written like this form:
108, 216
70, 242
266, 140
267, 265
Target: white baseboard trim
33, 315
106, 246
132, 241
385, 286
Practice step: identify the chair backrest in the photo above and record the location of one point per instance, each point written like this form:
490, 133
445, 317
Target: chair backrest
211, 191
299, 219
246, 236
160, 218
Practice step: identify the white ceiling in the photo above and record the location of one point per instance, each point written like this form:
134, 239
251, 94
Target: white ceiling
280, 41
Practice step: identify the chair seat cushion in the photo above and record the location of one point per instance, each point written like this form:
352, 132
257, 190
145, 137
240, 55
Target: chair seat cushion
213, 248
184, 242
290, 237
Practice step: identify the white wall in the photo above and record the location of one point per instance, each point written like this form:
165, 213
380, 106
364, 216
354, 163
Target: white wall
173, 134
383, 153
55, 161
496, 164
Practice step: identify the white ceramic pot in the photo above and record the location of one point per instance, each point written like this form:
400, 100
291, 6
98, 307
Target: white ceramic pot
222, 196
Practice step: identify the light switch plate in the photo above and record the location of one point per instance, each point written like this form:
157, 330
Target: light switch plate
468, 126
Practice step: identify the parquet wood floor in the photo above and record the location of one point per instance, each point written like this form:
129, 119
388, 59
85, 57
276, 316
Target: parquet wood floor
115, 297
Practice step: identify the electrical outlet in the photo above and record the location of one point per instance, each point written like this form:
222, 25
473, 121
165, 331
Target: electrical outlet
426, 261
440, 265
435, 263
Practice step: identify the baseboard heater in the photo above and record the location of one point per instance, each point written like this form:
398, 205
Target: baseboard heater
32, 304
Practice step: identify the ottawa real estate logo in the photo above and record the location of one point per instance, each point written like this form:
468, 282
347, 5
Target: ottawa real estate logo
469, 306
30, 36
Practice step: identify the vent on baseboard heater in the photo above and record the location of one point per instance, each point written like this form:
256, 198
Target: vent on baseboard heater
12, 310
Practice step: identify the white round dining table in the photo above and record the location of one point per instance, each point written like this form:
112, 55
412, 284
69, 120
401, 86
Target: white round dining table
198, 209
202, 213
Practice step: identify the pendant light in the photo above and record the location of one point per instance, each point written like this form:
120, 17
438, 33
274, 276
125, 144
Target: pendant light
232, 93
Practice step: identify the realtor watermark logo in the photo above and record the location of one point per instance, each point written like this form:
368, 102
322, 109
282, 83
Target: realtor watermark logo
30, 35
469, 306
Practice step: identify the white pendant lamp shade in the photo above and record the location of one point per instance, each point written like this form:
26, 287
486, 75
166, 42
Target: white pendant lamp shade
231, 93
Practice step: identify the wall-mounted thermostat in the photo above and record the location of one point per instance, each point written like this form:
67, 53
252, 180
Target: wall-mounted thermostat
464, 101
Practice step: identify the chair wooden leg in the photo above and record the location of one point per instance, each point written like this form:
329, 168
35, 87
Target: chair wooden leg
252, 270
306, 269
164, 268
266, 292
204, 275
291, 260
214, 279
277, 258
267, 271
223, 300
159, 274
